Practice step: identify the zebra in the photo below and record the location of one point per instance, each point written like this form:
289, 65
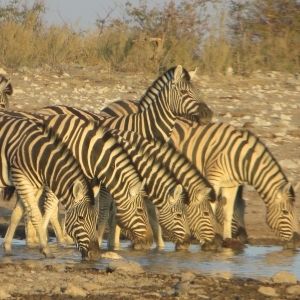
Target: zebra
229, 158
170, 95
68, 127
199, 191
35, 159
102, 160
120, 108
6, 90
187, 138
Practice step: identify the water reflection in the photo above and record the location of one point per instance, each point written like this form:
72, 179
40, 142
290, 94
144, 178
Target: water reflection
252, 261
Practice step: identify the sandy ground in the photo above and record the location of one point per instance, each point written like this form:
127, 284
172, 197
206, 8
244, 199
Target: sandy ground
266, 103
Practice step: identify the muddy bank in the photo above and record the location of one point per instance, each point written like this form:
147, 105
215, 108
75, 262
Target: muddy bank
37, 280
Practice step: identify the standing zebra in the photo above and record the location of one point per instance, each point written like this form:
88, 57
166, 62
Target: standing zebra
171, 95
5, 91
35, 160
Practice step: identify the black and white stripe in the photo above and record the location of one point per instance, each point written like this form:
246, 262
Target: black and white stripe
229, 158
34, 158
5, 91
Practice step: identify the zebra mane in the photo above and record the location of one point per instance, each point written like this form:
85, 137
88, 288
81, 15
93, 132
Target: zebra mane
159, 83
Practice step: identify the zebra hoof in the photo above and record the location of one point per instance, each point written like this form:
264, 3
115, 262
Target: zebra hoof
182, 246
47, 253
241, 235
233, 244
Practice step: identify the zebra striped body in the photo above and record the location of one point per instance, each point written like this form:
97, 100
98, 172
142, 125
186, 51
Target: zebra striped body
127, 107
103, 161
171, 95
228, 158
5, 91
33, 159
199, 192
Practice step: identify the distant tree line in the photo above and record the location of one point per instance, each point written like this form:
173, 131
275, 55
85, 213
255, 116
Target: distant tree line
246, 36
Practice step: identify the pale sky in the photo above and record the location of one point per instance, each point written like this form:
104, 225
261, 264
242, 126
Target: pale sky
83, 13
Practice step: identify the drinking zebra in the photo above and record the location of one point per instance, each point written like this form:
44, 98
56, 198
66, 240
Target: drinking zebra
102, 160
188, 138
5, 91
199, 191
167, 197
229, 158
33, 158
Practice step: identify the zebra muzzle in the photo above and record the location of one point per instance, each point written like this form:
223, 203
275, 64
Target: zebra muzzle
214, 244
293, 243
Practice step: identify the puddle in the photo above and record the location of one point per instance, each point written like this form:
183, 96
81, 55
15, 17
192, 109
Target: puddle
253, 261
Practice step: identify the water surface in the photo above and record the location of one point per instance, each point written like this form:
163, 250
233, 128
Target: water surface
253, 261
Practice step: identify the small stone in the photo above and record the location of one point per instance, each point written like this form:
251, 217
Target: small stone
75, 291
293, 290
284, 277
4, 294
111, 255
267, 291
152, 295
124, 266
181, 288
187, 276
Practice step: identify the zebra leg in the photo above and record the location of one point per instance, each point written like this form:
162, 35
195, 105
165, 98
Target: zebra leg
154, 223
106, 204
238, 222
15, 219
32, 240
228, 200
54, 220
51, 214
30, 197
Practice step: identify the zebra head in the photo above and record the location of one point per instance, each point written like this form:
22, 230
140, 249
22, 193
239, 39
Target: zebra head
204, 226
81, 220
202, 220
133, 217
281, 215
172, 216
5, 90
184, 98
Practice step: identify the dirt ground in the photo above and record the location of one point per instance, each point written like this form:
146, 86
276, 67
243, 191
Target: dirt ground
266, 103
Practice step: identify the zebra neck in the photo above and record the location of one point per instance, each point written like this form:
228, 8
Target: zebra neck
260, 169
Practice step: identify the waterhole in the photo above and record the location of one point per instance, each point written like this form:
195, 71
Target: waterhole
252, 261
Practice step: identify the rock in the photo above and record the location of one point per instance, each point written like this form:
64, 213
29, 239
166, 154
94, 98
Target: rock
284, 277
75, 291
4, 294
181, 288
293, 290
111, 255
267, 291
124, 266
152, 295
187, 276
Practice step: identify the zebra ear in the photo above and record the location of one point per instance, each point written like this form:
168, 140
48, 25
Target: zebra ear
286, 189
297, 186
178, 73
193, 73
77, 190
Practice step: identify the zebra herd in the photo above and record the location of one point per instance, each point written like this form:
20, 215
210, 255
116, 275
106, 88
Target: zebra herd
152, 166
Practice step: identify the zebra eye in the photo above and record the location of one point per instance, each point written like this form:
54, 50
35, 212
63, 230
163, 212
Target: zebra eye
183, 91
140, 210
285, 212
81, 218
206, 213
